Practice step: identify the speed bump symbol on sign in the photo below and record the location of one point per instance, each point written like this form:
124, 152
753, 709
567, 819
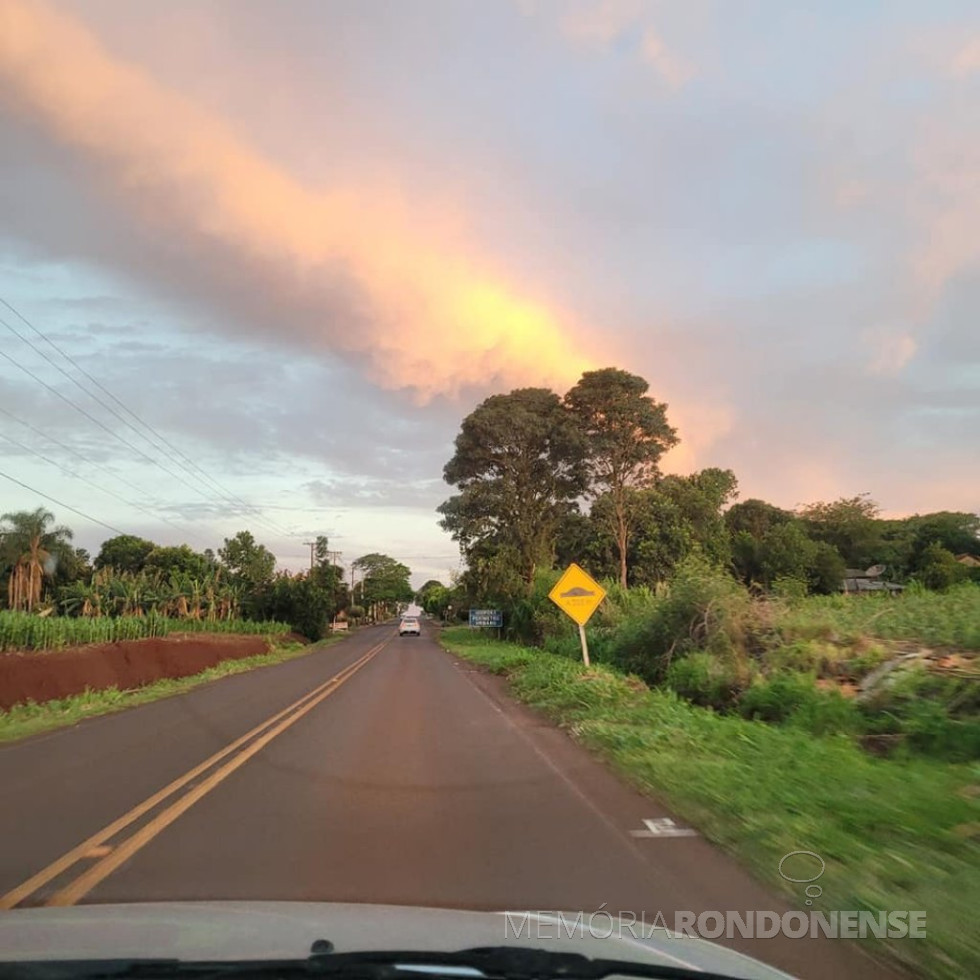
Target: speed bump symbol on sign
577, 594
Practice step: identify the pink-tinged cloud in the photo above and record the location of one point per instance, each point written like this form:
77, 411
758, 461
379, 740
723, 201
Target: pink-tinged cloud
701, 425
967, 59
889, 352
434, 315
674, 71
945, 203
597, 25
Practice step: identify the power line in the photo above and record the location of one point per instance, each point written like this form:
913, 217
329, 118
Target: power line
174, 449
61, 503
69, 449
174, 455
78, 476
425, 557
93, 419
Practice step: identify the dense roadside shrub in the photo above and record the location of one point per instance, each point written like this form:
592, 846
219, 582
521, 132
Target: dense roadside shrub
705, 680
794, 699
776, 699
827, 713
936, 714
299, 601
780, 659
930, 730
703, 609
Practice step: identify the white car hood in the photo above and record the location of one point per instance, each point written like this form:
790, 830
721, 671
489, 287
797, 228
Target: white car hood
287, 930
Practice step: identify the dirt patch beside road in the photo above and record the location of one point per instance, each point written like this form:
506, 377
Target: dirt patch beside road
43, 676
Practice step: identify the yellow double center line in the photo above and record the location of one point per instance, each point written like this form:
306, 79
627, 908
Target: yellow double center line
111, 857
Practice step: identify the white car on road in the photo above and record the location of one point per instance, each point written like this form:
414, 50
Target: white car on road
409, 626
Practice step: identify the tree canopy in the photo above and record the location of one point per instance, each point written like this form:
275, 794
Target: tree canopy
124, 553
386, 581
850, 525
519, 466
30, 549
180, 559
625, 434
248, 562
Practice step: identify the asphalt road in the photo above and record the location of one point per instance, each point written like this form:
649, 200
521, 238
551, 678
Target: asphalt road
409, 778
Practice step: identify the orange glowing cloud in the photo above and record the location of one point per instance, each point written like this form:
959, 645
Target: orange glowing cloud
438, 317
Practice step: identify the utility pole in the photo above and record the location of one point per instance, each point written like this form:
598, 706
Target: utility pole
312, 545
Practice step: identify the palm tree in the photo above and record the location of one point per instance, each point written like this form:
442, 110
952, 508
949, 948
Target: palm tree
31, 549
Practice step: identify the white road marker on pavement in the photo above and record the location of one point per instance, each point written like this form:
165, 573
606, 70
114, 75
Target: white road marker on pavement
663, 827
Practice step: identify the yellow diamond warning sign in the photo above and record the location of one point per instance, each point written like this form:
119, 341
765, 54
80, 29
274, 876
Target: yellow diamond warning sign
577, 594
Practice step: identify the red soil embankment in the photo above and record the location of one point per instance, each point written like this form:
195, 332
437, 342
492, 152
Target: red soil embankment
45, 675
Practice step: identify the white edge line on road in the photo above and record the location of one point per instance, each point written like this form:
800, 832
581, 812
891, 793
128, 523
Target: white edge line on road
610, 824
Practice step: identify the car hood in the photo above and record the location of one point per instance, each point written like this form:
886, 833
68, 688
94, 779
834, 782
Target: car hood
286, 930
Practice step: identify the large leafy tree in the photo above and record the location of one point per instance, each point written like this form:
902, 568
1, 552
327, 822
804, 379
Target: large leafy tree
938, 568
957, 532
30, 550
586, 539
519, 468
850, 525
493, 574
327, 575
386, 581
904, 540
626, 433
678, 516
124, 553
748, 522
179, 560
701, 498
431, 588
755, 517
74, 565
436, 598
787, 551
248, 563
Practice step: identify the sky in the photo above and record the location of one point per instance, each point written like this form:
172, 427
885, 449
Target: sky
289, 247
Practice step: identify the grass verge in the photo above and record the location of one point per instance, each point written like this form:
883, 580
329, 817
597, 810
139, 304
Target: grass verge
31, 718
895, 834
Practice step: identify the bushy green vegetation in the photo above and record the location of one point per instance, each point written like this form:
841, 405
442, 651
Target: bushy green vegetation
25, 631
134, 577
805, 662
899, 833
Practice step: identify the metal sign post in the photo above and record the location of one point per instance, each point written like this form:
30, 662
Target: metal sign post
585, 645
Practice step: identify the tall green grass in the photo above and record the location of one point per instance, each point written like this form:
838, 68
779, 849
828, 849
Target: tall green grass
946, 619
24, 631
895, 833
